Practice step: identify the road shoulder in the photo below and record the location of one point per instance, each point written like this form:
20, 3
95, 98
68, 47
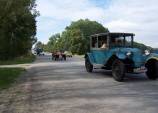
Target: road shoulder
16, 98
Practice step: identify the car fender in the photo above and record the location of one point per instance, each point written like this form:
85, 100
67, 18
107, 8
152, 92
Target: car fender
152, 56
90, 57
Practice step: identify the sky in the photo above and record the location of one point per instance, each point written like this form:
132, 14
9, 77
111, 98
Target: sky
134, 16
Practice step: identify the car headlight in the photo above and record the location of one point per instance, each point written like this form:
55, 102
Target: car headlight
129, 53
147, 52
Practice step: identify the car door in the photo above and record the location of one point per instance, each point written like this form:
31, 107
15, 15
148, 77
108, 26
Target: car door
100, 51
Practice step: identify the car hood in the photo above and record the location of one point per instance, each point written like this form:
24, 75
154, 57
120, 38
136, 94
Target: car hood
133, 50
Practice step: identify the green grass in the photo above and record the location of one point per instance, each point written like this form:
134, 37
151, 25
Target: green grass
19, 60
8, 76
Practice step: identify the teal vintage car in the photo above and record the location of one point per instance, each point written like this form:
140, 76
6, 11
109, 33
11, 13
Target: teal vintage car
115, 51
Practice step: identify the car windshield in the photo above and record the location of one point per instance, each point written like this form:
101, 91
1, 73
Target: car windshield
121, 41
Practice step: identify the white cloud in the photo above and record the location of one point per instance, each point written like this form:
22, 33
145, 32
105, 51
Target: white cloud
69, 9
137, 16
121, 25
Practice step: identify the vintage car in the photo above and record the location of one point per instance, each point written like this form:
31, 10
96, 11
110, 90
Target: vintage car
58, 56
115, 51
68, 54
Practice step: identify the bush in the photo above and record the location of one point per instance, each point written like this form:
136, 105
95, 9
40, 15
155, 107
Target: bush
28, 58
9, 76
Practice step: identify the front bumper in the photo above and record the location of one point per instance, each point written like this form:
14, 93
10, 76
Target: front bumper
142, 69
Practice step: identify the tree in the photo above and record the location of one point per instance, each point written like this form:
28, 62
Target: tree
52, 44
142, 46
17, 27
80, 31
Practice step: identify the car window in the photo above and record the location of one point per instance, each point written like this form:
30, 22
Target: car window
94, 42
117, 42
102, 42
121, 41
128, 41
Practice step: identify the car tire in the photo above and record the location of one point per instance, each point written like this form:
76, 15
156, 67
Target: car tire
118, 70
88, 65
152, 71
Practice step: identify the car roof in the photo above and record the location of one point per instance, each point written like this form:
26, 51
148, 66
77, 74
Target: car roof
113, 34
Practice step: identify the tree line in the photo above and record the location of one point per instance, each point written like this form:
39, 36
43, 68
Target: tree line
17, 27
75, 38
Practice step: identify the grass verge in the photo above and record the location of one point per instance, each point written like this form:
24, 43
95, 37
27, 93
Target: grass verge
19, 60
8, 76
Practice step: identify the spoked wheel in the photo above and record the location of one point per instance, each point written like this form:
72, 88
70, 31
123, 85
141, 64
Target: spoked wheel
118, 70
152, 69
88, 65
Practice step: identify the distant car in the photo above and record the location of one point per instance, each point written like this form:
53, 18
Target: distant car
39, 51
58, 56
42, 53
34, 52
68, 54
115, 51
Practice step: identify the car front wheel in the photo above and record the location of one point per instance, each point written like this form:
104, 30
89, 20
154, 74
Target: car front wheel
88, 65
118, 70
152, 70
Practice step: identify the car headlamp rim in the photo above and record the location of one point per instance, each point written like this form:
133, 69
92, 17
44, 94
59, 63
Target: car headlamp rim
147, 52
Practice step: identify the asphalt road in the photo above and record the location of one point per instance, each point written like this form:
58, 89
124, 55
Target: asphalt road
66, 87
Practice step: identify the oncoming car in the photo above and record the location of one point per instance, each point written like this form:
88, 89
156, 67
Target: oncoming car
115, 51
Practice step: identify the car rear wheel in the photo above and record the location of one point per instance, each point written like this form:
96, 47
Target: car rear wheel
118, 70
88, 65
152, 70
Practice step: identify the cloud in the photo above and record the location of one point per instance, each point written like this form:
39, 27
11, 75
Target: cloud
121, 25
57, 14
137, 16
69, 9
